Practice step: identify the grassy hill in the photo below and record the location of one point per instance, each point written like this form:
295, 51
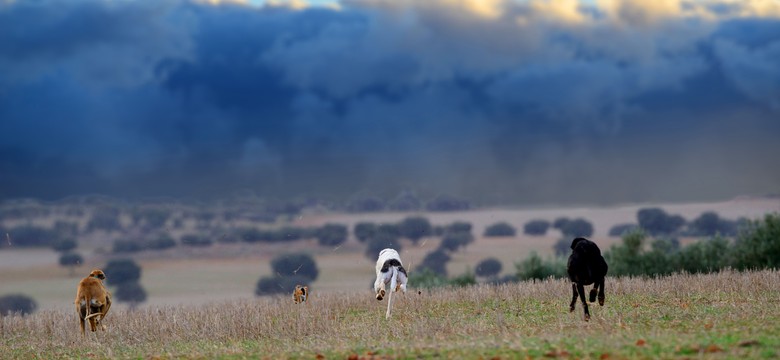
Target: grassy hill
725, 315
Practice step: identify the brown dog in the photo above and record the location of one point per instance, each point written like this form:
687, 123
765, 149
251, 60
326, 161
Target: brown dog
92, 300
300, 294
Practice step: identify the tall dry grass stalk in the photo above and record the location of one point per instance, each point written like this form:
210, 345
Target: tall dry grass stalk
526, 318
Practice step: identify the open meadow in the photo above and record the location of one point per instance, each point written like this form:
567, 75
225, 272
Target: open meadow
719, 316
228, 271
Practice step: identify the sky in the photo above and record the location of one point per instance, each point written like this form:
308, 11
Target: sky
497, 101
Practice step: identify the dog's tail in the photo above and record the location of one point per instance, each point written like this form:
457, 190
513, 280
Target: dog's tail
393, 284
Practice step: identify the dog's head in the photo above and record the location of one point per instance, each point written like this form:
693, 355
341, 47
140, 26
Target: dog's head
577, 241
97, 273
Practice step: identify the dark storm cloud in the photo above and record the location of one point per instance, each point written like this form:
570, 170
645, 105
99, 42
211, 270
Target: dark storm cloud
499, 101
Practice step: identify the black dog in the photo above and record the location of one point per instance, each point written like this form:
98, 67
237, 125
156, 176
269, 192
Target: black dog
586, 266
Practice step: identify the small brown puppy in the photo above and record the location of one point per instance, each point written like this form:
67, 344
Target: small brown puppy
300, 294
92, 300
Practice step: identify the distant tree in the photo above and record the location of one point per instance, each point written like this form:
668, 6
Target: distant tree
70, 260
195, 240
500, 229
560, 223
453, 242
364, 231
120, 271
332, 234
710, 224
392, 230
270, 285
17, 303
65, 229
31, 236
106, 219
448, 203
299, 264
415, 227
366, 204
405, 201
161, 242
458, 227
657, 222
562, 247
488, 267
379, 242
574, 228
130, 292
666, 245
536, 227
126, 246
64, 245
621, 229
435, 262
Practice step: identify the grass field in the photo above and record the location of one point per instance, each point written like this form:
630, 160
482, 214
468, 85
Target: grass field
726, 315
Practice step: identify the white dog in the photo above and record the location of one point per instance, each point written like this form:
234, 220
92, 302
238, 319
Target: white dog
389, 270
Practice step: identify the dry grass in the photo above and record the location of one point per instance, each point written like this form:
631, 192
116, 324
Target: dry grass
726, 315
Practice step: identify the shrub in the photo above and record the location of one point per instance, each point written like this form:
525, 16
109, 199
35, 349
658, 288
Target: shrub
534, 267
500, 229
17, 303
536, 227
488, 267
704, 256
295, 264
622, 229
406, 201
758, 246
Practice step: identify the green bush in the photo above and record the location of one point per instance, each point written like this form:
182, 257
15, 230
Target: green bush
758, 246
379, 242
195, 240
535, 268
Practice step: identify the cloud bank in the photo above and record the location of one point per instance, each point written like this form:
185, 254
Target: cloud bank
499, 101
